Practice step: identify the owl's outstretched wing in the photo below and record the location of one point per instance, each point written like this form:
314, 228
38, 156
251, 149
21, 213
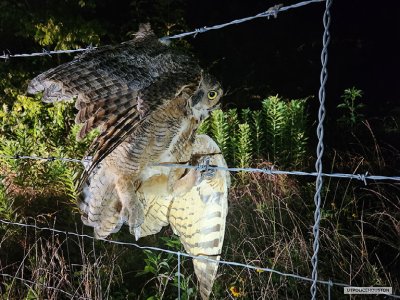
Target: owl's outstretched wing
116, 87
197, 215
102, 209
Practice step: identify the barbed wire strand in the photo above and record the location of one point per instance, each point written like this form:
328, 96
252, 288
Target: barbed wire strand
269, 171
182, 254
271, 12
320, 148
45, 53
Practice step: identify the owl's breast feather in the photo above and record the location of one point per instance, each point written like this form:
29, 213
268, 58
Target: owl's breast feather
177, 150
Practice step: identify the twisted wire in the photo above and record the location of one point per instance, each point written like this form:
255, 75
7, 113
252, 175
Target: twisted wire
179, 274
320, 149
273, 11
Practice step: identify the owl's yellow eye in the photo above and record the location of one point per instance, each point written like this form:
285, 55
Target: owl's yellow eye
212, 95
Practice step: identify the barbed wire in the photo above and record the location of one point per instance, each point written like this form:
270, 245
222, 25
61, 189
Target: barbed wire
182, 254
50, 158
271, 12
268, 171
45, 53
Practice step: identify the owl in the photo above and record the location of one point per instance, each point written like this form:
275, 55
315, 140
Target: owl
148, 100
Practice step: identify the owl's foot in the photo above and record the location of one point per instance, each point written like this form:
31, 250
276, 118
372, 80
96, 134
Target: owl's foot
132, 208
204, 171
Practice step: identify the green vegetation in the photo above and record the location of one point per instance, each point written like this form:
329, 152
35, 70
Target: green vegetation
268, 223
277, 133
351, 109
32, 128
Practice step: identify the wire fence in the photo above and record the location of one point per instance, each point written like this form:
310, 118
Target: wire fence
320, 148
319, 174
271, 12
364, 177
179, 254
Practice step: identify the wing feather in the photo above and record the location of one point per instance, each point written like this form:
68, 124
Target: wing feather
100, 205
197, 216
153, 193
116, 87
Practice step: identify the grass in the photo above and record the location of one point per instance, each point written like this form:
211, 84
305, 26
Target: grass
268, 225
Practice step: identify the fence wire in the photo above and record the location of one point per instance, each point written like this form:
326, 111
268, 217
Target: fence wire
271, 12
364, 177
179, 255
320, 148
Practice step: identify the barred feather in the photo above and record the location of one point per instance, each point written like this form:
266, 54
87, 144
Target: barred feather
107, 81
148, 100
197, 215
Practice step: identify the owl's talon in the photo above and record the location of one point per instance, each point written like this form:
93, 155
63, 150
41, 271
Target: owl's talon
205, 171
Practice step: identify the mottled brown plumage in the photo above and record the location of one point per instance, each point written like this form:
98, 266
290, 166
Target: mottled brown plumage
148, 100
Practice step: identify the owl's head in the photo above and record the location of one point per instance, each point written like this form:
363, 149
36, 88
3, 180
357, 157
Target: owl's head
206, 97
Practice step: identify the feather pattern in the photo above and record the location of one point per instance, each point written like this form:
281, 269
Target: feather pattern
148, 101
196, 212
107, 81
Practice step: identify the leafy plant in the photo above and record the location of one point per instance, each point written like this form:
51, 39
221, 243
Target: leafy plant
258, 133
295, 143
31, 128
162, 269
277, 132
351, 107
232, 120
243, 149
219, 130
274, 113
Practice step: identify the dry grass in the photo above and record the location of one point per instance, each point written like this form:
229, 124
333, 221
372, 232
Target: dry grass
269, 225
57, 267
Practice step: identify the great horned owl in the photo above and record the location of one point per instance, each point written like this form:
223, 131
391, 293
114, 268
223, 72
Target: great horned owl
148, 100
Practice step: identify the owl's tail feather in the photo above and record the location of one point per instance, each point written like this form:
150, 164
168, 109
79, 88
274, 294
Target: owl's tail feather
100, 204
206, 271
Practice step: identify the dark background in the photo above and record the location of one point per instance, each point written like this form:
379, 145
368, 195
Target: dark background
283, 55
